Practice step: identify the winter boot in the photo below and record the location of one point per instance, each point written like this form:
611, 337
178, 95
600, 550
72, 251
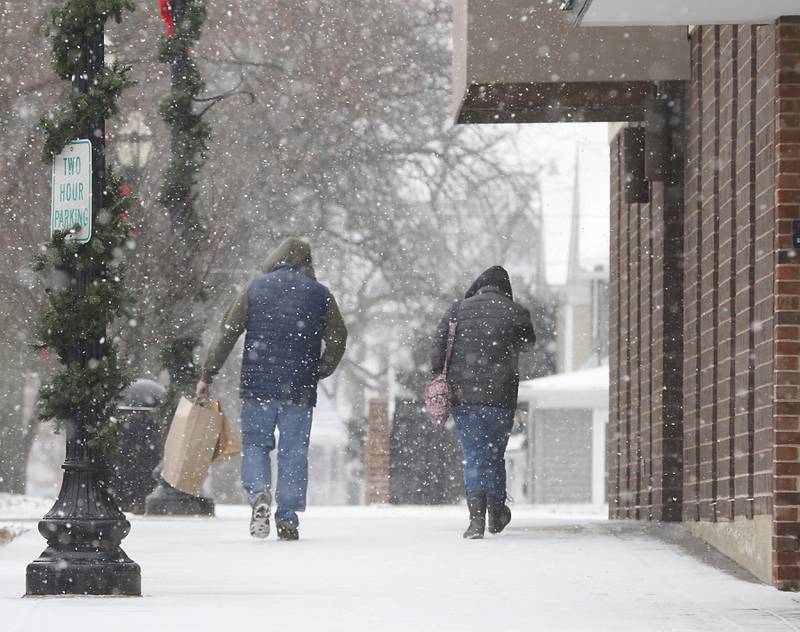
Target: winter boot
477, 516
499, 514
259, 519
287, 531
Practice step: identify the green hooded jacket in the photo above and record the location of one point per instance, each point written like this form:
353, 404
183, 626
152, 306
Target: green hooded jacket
234, 322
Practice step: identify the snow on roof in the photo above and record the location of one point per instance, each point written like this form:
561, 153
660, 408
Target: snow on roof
587, 388
516, 442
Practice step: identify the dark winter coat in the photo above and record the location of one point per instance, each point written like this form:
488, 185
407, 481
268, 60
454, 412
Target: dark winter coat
282, 347
280, 311
492, 330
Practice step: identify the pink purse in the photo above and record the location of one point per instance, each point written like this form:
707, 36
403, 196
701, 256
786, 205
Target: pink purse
438, 394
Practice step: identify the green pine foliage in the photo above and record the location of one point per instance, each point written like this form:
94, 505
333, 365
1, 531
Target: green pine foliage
190, 136
74, 20
191, 133
75, 317
71, 118
77, 21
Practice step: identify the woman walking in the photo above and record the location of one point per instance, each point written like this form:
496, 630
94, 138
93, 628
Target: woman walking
491, 331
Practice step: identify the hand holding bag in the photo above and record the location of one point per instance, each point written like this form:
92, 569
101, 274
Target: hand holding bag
438, 394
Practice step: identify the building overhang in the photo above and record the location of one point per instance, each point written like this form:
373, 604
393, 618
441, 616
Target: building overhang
525, 61
677, 12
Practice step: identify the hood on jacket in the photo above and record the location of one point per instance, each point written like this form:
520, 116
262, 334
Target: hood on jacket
294, 251
497, 277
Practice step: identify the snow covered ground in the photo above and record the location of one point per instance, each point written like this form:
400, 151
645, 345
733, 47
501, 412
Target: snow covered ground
17, 513
387, 568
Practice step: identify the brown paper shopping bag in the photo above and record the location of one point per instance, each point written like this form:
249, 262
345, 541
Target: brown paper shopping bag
190, 445
228, 444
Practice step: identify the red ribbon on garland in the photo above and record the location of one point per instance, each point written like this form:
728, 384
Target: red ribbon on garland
166, 15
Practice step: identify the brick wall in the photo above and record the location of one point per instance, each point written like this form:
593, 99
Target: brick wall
620, 439
616, 436
707, 253
740, 287
645, 307
728, 274
786, 438
744, 172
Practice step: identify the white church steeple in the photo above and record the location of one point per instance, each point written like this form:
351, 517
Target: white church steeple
574, 260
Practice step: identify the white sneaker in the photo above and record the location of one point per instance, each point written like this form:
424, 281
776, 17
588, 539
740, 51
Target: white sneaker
259, 519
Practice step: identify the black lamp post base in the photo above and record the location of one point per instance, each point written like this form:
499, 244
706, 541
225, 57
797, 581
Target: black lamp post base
83, 530
165, 500
83, 575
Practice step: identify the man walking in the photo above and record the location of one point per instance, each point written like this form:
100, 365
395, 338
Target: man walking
286, 316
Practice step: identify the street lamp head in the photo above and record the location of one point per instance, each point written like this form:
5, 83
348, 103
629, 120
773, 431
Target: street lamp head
134, 142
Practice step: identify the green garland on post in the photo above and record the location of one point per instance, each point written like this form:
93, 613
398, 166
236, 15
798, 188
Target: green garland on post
189, 137
69, 25
190, 134
71, 317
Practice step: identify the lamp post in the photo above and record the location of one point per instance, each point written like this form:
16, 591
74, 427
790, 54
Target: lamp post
134, 143
85, 527
188, 138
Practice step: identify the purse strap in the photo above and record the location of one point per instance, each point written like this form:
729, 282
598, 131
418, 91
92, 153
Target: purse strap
451, 336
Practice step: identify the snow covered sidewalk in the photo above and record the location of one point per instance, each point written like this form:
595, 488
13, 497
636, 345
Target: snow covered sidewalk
385, 568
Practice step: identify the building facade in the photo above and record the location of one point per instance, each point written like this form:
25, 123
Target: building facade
582, 314
566, 418
705, 334
704, 285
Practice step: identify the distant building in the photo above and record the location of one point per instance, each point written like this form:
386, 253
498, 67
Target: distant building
557, 455
328, 472
567, 415
582, 318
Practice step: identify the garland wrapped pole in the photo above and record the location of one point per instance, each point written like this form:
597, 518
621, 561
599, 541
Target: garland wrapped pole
85, 274
183, 110
189, 136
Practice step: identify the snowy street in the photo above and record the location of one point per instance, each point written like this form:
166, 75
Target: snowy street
389, 568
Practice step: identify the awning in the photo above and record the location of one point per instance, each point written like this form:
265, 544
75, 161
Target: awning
678, 12
525, 61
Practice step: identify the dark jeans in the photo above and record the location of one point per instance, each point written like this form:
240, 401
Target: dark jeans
259, 420
484, 433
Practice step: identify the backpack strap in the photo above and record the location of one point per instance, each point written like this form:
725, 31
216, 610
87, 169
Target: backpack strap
451, 336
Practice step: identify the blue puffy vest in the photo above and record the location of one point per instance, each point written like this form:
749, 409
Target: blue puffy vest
285, 323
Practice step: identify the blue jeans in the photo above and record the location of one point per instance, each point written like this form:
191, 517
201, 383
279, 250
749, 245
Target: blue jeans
259, 420
484, 433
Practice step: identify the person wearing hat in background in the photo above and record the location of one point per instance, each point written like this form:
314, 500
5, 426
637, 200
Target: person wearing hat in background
491, 331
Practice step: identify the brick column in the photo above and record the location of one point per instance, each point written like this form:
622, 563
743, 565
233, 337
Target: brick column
667, 316
615, 436
708, 273
645, 430
786, 406
693, 236
745, 281
377, 455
